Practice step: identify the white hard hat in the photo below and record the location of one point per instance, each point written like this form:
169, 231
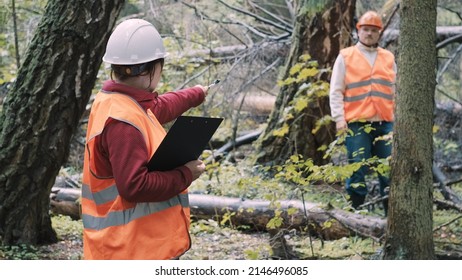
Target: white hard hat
134, 41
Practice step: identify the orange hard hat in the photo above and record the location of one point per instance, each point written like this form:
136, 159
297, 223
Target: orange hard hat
370, 18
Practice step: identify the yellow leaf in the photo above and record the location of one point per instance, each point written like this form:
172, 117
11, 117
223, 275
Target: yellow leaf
306, 73
281, 131
305, 57
294, 158
288, 116
327, 224
300, 104
292, 211
295, 69
286, 82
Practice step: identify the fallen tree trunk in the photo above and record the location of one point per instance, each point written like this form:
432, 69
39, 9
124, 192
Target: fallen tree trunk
65, 201
229, 146
447, 192
329, 224
227, 53
443, 204
442, 33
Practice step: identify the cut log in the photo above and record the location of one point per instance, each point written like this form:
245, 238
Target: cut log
229, 146
225, 53
442, 33
65, 201
447, 192
329, 224
444, 204
448, 251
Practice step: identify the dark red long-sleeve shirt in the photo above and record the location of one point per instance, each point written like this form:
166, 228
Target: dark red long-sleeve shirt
123, 153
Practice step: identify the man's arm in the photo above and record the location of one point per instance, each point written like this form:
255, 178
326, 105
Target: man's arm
337, 88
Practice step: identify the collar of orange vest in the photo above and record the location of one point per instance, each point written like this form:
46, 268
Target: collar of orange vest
367, 47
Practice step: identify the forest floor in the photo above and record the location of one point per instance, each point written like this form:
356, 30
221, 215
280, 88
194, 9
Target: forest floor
211, 241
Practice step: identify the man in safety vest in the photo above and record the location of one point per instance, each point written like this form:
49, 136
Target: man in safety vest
362, 92
127, 211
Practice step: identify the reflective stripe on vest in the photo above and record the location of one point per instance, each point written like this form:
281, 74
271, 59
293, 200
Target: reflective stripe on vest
368, 90
369, 94
118, 218
369, 82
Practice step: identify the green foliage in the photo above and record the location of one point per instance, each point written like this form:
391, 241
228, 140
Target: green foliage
301, 72
312, 7
320, 123
65, 227
251, 254
28, 14
227, 218
19, 252
302, 174
294, 170
258, 253
447, 146
276, 221
304, 76
344, 248
236, 181
282, 131
204, 226
129, 8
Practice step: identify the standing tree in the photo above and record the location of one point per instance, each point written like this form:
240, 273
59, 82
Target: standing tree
43, 110
320, 31
410, 221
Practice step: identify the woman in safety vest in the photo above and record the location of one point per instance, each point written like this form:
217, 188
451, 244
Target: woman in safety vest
362, 101
127, 211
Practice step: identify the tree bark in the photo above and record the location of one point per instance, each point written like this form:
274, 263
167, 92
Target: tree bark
321, 34
410, 220
43, 110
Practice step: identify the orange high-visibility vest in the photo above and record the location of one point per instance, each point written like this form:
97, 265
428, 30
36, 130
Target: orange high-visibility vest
113, 227
369, 89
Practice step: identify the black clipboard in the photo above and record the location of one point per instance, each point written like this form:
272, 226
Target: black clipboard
185, 141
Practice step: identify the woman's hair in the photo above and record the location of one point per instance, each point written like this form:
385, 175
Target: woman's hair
123, 72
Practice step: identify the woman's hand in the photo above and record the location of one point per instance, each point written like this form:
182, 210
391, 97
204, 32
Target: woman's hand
205, 89
197, 167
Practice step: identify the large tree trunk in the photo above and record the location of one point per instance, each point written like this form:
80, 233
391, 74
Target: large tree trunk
43, 109
320, 34
410, 222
